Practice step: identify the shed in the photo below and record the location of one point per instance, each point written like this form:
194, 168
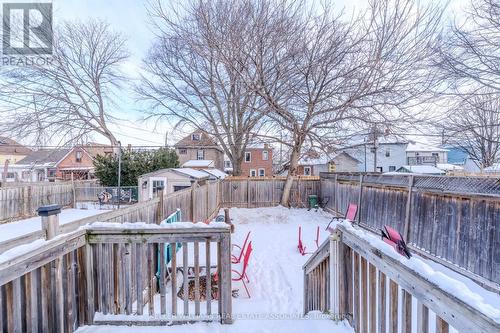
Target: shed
171, 180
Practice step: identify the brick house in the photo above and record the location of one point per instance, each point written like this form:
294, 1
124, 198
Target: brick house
63, 164
257, 162
200, 146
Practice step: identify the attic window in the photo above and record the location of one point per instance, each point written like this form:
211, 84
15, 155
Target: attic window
196, 136
78, 156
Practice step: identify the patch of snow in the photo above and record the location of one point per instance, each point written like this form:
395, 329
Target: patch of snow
191, 172
162, 226
423, 169
449, 167
216, 173
22, 227
198, 164
420, 147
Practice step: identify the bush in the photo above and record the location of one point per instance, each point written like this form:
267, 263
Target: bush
134, 164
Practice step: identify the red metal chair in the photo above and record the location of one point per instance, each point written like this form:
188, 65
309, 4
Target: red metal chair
301, 247
235, 259
241, 276
350, 215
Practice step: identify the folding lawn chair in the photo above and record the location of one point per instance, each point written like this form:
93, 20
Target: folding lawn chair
350, 215
301, 247
235, 259
242, 276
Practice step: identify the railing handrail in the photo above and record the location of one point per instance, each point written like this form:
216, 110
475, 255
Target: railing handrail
344, 241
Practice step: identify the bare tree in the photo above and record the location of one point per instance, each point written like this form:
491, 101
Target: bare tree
323, 74
469, 55
474, 126
189, 81
71, 97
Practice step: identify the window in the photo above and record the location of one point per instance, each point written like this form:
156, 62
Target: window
392, 168
200, 154
331, 167
380, 169
253, 173
262, 172
183, 151
11, 175
157, 185
265, 155
248, 157
180, 187
387, 153
307, 171
78, 156
227, 164
196, 136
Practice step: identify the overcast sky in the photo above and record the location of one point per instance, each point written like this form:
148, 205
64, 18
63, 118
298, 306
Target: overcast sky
130, 18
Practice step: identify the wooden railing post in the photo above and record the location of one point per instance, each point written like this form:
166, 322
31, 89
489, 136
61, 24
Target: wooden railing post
193, 195
225, 293
335, 270
50, 227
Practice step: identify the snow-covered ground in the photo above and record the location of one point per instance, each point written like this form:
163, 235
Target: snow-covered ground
275, 272
19, 228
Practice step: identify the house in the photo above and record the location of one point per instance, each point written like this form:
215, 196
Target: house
343, 162
173, 180
200, 146
257, 161
63, 164
423, 154
11, 151
389, 154
492, 170
459, 157
420, 169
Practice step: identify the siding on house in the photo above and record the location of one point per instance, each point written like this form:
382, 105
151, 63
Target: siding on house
257, 162
188, 149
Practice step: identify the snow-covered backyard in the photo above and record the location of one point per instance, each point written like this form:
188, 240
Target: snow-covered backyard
275, 272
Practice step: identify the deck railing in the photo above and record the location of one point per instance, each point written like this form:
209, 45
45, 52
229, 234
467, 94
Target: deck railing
351, 279
108, 275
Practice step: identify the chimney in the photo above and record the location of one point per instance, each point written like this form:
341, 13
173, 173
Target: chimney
266, 146
129, 147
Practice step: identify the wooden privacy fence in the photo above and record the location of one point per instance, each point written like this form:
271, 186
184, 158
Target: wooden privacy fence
23, 200
452, 219
351, 279
68, 279
266, 191
205, 199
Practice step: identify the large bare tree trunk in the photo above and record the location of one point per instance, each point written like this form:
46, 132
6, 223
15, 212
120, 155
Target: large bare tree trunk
292, 172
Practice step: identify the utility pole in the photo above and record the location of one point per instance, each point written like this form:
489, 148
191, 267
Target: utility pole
119, 171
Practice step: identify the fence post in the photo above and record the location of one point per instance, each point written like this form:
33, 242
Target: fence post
334, 273
193, 187
360, 197
335, 190
248, 192
50, 227
73, 188
208, 213
159, 210
408, 209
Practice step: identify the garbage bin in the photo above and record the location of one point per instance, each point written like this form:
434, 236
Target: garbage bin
313, 201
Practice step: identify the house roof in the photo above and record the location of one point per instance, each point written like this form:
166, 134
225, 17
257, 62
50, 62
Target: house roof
216, 173
449, 167
493, 169
206, 141
11, 147
94, 149
44, 156
187, 172
346, 155
415, 146
198, 164
421, 169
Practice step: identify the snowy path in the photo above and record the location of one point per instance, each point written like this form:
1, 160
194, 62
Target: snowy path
22, 227
275, 272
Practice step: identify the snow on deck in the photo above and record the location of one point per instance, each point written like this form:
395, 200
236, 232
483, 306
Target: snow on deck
275, 273
22, 227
